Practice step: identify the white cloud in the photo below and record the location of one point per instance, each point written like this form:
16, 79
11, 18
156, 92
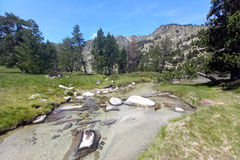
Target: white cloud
93, 35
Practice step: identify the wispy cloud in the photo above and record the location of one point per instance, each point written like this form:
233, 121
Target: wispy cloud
93, 35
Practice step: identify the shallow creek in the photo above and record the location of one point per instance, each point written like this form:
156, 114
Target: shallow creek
124, 133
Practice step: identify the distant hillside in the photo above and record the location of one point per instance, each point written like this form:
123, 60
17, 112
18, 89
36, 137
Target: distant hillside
181, 36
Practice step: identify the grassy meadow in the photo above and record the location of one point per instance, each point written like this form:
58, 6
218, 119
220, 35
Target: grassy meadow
211, 132
16, 88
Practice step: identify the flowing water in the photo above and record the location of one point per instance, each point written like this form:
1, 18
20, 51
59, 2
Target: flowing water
124, 133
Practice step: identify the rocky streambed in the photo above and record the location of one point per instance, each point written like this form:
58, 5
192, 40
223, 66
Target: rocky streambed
110, 126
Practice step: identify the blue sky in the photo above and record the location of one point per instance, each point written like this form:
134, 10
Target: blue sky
56, 18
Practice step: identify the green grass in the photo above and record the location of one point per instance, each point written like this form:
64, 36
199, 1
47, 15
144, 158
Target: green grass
17, 87
211, 132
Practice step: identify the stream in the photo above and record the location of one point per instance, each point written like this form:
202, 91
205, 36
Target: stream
121, 134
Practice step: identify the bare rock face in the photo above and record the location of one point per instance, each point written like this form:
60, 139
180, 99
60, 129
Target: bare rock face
180, 35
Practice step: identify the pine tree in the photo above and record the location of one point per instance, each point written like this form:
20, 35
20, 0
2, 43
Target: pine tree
111, 51
33, 55
122, 61
222, 36
67, 56
97, 52
78, 43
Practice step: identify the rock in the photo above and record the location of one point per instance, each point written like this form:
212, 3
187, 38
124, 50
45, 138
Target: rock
79, 98
87, 122
88, 94
67, 76
105, 92
76, 94
138, 100
64, 87
108, 122
90, 104
115, 101
89, 140
55, 136
69, 116
157, 107
112, 108
102, 105
98, 92
47, 76
100, 147
71, 107
67, 126
67, 98
133, 83
34, 96
55, 117
43, 100
98, 82
128, 103
39, 119
106, 79
207, 102
108, 86
172, 96
102, 143
178, 109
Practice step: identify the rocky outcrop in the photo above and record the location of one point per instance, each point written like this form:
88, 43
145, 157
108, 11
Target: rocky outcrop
180, 35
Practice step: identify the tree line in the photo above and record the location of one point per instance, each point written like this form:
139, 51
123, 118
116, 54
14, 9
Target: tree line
22, 45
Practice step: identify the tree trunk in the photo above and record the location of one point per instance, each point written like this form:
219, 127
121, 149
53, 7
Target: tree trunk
84, 66
214, 80
235, 74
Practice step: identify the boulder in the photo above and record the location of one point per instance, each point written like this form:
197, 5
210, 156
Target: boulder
39, 119
178, 109
76, 94
83, 143
71, 107
64, 87
112, 108
138, 100
88, 94
67, 98
133, 83
128, 103
105, 91
88, 143
115, 101
79, 98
